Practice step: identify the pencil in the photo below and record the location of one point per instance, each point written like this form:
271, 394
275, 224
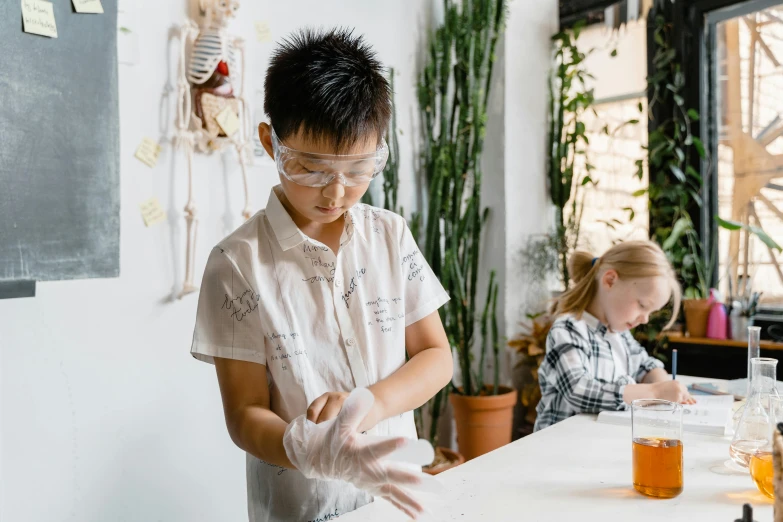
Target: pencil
674, 364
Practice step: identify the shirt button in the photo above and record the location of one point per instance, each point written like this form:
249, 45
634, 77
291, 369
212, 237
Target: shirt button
350, 341
338, 283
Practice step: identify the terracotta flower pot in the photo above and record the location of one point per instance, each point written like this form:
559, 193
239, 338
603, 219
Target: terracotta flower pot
452, 459
484, 423
696, 313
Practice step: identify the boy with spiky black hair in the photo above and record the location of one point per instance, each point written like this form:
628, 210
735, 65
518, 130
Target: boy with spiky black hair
309, 308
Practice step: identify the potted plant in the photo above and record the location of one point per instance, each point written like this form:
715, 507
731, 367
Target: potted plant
696, 303
530, 349
453, 93
483, 411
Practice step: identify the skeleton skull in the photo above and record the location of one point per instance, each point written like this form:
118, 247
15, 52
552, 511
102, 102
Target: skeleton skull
219, 10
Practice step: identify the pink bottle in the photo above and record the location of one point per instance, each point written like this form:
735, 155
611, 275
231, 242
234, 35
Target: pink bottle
717, 321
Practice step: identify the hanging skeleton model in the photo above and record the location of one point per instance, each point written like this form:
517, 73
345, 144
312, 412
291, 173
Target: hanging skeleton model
210, 96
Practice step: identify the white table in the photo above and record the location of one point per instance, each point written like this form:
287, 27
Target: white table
580, 470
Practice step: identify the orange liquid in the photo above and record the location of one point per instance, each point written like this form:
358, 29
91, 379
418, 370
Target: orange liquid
761, 470
657, 467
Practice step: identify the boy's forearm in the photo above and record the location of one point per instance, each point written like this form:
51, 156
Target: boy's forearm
260, 432
412, 385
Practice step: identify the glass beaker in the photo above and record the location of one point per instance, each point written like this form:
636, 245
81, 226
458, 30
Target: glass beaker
754, 429
761, 466
657, 447
754, 343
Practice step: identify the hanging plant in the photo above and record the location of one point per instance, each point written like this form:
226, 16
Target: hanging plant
674, 185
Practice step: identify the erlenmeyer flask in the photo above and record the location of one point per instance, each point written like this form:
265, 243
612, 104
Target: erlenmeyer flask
753, 431
761, 463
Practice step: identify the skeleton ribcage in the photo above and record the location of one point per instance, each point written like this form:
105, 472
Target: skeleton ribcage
210, 48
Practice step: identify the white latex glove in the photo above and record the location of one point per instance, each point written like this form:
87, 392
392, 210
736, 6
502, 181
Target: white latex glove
336, 450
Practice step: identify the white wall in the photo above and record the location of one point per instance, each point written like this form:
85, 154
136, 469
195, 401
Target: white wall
631, 43
105, 416
528, 210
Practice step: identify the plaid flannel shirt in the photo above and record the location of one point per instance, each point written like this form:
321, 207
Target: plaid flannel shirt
579, 374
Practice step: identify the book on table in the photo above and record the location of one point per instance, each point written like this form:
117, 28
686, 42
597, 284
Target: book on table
710, 415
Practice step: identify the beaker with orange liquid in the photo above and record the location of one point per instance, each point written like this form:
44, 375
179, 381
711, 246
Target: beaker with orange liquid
657, 447
760, 466
762, 473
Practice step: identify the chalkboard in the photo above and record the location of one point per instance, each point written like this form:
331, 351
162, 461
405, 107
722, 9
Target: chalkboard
59, 146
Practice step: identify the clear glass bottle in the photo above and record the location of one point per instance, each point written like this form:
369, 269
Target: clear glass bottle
754, 351
754, 427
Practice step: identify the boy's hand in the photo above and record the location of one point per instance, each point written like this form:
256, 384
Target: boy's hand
335, 450
673, 391
327, 406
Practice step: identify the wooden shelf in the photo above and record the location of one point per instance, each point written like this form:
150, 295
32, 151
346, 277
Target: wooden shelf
678, 338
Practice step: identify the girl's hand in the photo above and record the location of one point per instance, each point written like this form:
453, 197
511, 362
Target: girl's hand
673, 391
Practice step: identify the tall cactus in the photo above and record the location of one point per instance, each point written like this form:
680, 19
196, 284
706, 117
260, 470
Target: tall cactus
453, 92
390, 179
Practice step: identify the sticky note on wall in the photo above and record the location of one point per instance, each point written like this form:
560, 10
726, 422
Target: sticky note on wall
228, 121
263, 32
88, 6
151, 212
38, 18
148, 152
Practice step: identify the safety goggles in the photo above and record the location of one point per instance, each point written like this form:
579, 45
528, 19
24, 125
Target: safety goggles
318, 170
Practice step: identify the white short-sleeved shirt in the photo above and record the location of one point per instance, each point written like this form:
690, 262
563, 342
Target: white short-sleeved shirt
320, 323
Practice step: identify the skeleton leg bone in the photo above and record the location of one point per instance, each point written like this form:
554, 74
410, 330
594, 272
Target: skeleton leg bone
190, 217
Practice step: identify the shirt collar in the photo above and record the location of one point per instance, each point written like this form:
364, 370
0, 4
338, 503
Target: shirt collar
288, 234
593, 323
351, 221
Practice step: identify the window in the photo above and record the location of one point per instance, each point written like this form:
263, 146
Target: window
605, 217
748, 82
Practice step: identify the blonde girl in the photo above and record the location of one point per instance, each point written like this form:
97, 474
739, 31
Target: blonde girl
593, 363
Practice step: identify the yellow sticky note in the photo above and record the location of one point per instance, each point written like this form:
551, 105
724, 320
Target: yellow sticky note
228, 121
148, 152
151, 212
38, 18
263, 32
88, 6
